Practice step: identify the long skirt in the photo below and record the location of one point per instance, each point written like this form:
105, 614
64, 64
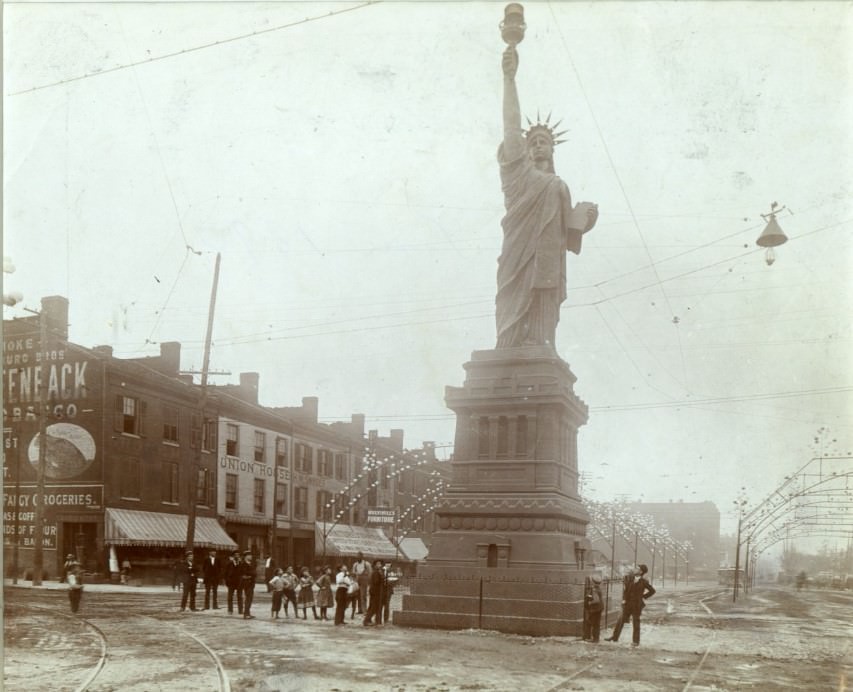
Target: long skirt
325, 599
305, 597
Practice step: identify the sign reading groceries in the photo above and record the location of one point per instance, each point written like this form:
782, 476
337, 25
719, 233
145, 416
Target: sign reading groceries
376, 515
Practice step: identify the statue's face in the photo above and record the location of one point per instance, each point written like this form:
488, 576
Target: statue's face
541, 147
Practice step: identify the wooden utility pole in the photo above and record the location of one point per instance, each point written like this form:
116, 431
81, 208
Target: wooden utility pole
193, 484
38, 547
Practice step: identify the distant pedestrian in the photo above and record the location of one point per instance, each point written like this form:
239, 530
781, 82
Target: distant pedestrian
74, 577
594, 605
189, 580
801, 581
361, 572
374, 608
247, 584
277, 584
290, 582
70, 559
125, 571
305, 597
233, 572
324, 598
342, 585
211, 570
633, 602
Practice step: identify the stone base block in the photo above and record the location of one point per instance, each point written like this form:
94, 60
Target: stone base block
544, 603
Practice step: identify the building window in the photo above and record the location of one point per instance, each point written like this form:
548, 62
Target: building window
128, 415
483, 438
340, 466
280, 452
503, 437
130, 482
281, 498
204, 489
232, 439
260, 446
260, 483
231, 491
300, 503
208, 435
305, 460
195, 431
169, 479
170, 424
324, 462
521, 437
324, 506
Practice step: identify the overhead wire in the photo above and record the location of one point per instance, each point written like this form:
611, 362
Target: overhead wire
186, 51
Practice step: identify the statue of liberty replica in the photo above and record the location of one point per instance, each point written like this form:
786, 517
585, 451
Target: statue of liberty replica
510, 540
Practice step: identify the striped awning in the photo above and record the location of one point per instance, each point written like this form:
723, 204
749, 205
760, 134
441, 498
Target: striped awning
136, 527
344, 540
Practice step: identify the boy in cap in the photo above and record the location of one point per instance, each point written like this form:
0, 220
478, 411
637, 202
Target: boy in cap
594, 607
189, 577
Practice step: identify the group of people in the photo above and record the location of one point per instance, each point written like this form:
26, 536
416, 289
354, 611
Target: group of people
366, 589
238, 573
635, 590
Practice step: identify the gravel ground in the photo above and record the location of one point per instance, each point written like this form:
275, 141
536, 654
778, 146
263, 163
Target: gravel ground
775, 639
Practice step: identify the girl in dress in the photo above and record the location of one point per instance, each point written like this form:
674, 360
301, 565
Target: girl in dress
324, 596
305, 597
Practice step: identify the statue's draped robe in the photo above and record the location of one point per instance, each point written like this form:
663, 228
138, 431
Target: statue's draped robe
532, 264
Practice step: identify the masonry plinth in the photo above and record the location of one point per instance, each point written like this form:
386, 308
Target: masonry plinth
508, 552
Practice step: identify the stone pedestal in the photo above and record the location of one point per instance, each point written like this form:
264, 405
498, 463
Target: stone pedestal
507, 554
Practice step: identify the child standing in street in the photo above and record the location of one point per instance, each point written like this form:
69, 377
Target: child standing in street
277, 584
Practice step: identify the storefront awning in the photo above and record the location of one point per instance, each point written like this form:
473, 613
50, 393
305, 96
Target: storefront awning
344, 540
136, 527
413, 549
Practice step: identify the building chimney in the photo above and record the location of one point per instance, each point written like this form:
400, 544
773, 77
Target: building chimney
55, 309
311, 407
104, 351
396, 439
249, 386
170, 358
357, 424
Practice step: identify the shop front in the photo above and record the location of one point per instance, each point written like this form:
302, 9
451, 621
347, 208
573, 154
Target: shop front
150, 544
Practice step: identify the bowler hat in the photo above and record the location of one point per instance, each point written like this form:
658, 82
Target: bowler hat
596, 578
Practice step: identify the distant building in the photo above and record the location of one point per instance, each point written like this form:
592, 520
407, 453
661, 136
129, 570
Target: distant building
134, 448
697, 522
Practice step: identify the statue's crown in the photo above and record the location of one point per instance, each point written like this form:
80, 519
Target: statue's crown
545, 127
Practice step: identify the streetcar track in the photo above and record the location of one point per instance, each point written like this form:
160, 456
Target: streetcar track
102, 638
98, 668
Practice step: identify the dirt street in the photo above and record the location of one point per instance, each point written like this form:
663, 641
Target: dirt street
129, 638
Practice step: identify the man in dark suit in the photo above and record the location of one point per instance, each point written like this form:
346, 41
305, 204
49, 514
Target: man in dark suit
232, 581
189, 579
637, 590
210, 572
377, 595
247, 584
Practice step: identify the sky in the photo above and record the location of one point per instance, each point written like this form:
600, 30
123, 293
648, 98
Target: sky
341, 157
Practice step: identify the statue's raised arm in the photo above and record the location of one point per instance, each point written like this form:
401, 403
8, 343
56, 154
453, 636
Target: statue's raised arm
513, 136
